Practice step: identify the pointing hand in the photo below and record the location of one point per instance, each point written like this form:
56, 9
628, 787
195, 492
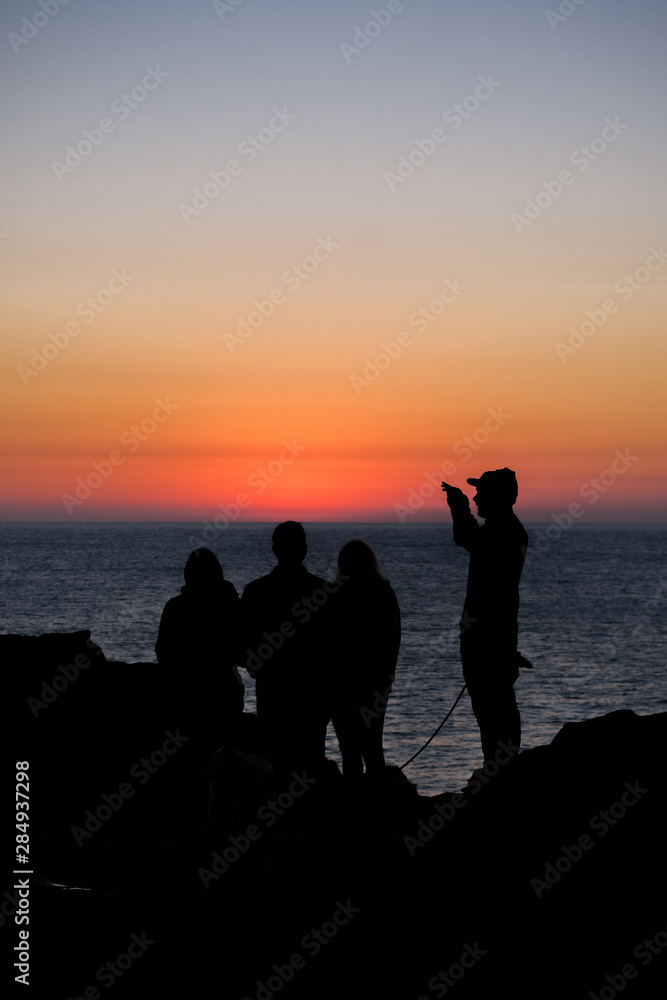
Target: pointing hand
456, 498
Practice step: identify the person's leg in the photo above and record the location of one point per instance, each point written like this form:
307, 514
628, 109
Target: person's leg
372, 748
348, 740
480, 705
491, 690
509, 718
499, 721
371, 740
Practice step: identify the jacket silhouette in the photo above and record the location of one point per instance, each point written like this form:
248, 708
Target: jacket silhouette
286, 652
199, 643
366, 636
488, 626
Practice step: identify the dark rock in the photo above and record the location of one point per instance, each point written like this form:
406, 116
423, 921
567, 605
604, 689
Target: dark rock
546, 876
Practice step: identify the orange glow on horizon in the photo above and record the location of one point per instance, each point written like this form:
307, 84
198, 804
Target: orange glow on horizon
382, 329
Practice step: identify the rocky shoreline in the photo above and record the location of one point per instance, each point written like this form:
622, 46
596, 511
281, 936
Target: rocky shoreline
546, 877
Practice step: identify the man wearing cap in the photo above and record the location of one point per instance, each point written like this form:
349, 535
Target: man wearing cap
489, 629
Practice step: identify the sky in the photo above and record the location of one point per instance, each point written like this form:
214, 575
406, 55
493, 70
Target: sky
268, 259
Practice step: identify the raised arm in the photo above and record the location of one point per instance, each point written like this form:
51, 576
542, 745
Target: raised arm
464, 524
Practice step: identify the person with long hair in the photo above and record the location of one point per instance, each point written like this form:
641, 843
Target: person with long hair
198, 641
366, 636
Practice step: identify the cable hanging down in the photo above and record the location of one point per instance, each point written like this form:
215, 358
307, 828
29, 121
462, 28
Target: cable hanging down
460, 695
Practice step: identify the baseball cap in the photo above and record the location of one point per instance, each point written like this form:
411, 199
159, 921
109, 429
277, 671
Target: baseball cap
499, 482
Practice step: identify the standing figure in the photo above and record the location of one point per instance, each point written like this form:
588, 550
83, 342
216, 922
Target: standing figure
286, 652
489, 629
199, 642
366, 634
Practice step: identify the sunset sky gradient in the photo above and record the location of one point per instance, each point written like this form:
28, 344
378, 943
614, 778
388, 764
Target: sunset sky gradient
297, 417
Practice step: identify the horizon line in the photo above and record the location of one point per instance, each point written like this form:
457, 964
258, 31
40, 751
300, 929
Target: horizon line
271, 520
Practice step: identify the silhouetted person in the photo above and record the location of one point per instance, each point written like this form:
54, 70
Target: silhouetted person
199, 642
489, 630
366, 635
286, 652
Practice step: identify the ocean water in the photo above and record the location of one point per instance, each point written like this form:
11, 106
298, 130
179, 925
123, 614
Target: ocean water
592, 619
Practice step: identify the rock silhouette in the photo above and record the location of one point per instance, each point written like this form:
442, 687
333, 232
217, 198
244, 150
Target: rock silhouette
372, 888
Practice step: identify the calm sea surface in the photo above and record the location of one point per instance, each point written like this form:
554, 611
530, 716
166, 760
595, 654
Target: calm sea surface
592, 620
